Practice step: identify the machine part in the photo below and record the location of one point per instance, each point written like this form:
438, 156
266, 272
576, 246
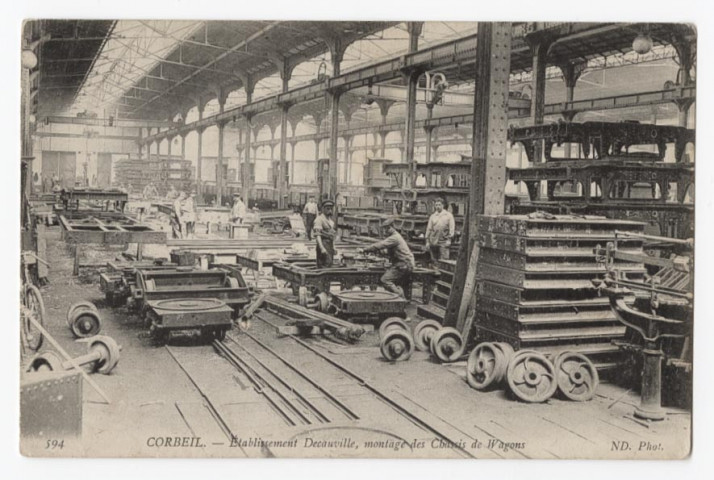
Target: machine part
45, 362
576, 376
447, 344
343, 328
32, 307
424, 332
396, 341
368, 304
322, 279
302, 296
107, 351
84, 320
323, 301
102, 356
531, 376
487, 365
70, 360
397, 344
247, 314
51, 405
391, 321
154, 284
209, 315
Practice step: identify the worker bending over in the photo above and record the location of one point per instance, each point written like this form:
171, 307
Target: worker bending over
400, 257
324, 231
439, 232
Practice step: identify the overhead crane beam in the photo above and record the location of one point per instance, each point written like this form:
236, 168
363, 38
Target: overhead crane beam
657, 97
398, 93
455, 52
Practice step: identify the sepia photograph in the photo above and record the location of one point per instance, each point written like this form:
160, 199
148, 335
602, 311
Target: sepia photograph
356, 239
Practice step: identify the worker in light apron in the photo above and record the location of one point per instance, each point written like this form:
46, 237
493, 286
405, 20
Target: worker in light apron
400, 256
238, 210
310, 214
439, 232
188, 211
324, 232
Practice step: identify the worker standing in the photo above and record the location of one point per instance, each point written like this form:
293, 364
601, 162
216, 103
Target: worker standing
400, 257
310, 213
176, 221
238, 211
324, 232
188, 211
439, 232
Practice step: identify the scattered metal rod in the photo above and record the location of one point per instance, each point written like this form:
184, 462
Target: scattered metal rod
343, 328
69, 359
209, 404
619, 398
384, 397
252, 308
257, 379
335, 401
688, 242
318, 413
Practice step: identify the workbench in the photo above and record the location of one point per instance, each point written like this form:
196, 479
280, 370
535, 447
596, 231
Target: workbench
116, 229
306, 274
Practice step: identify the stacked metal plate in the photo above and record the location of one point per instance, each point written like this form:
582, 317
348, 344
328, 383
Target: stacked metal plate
535, 283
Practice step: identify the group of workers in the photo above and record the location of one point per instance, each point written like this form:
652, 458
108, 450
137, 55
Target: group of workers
183, 221
439, 235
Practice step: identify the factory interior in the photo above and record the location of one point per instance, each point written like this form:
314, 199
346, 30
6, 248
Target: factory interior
357, 239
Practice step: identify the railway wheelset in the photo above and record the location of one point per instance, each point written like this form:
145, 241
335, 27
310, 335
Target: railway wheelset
529, 375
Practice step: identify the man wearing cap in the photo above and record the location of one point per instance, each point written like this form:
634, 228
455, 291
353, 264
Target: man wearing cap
324, 232
439, 232
310, 213
400, 256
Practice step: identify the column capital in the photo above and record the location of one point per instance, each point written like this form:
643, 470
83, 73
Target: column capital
571, 72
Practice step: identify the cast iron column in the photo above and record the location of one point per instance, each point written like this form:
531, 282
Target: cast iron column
199, 163
488, 168
334, 135
219, 165
409, 134
571, 74
282, 170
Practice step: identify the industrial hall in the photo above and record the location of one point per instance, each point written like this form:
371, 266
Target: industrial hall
357, 239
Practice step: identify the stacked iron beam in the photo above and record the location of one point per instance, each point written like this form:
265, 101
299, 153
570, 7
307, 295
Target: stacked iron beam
535, 283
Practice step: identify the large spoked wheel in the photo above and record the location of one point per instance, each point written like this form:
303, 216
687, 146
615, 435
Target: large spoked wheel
34, 308
531, 376
577, 377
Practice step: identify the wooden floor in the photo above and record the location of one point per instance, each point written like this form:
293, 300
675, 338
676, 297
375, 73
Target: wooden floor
154, 395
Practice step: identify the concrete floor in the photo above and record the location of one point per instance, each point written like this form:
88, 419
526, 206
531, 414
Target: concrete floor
152, 397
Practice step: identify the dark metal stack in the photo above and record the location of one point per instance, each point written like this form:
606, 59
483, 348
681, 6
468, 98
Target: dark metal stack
618, 171
535, 283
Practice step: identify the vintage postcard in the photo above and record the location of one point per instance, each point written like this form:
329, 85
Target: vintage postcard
357, 239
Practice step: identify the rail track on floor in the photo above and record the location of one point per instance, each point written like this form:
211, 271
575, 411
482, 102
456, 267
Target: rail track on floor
309, 389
